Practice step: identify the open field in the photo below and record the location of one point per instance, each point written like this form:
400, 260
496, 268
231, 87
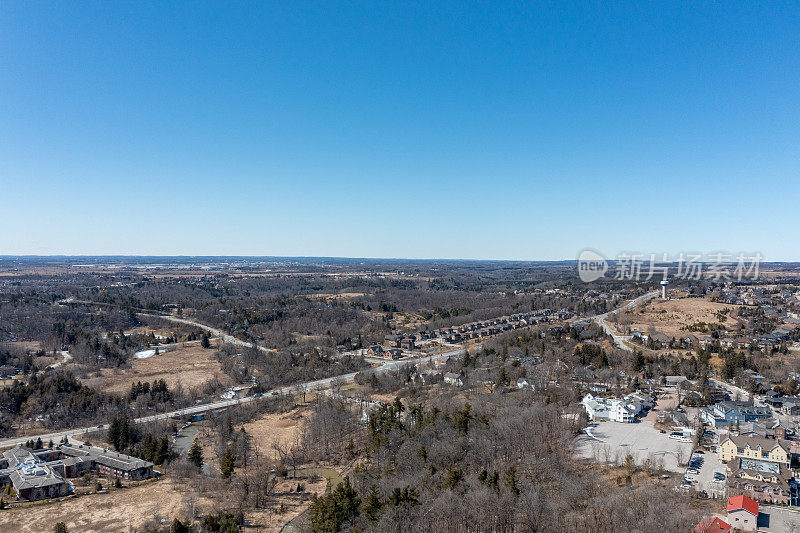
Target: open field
119, 510
191, 366
671, 317
276, 428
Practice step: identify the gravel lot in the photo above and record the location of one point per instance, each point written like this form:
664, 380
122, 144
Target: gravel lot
612, 441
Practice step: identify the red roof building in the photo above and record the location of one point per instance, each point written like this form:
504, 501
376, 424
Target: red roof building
743, 502
712, 525
743, 513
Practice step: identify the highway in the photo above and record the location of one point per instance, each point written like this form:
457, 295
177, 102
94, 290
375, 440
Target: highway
308, 386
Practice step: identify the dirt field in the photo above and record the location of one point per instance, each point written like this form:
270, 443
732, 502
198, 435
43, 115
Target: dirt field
670, 316
276, 428
192, 366
125, 510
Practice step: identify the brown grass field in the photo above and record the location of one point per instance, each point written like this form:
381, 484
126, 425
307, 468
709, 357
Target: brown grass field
276, 428
127, 509
191, 366
670, 316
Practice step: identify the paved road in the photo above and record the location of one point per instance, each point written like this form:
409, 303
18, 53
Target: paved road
65, 358
214, 331
734, 391
230, 339
197, 409
619, 340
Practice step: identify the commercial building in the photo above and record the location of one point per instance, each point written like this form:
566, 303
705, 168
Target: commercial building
41, 474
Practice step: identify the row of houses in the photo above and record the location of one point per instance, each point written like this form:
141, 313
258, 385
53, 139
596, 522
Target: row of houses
41, 474
727, 413
494, 326
376, 350
465, 332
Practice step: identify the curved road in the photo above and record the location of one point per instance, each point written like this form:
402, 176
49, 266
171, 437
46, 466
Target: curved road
619, 340
230, 339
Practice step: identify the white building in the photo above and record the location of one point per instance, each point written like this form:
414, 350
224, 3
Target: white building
451, 378
608, 409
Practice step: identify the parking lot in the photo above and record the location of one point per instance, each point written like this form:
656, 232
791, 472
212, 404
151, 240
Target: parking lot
611, 442
705, 476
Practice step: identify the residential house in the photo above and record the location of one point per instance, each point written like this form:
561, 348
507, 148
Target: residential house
766, 481
773, 398
743, 513
729, 412
608, 409
712, 525
375, 350
674, 381
754, 429
524, 383
771, 450
451, 378
393, 353
790, 405
407, 343
779, 430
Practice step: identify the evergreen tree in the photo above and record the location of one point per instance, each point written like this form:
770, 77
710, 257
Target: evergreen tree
196, 454
330, 512
372, 504
226, 465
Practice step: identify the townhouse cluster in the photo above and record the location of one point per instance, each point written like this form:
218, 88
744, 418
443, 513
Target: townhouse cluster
394, 345
780, 304
760, 466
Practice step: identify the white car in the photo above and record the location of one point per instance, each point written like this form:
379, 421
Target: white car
692, 471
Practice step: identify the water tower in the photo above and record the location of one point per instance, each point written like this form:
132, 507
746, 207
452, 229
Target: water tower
664, 289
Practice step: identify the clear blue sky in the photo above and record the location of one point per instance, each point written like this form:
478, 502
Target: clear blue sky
430, 129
